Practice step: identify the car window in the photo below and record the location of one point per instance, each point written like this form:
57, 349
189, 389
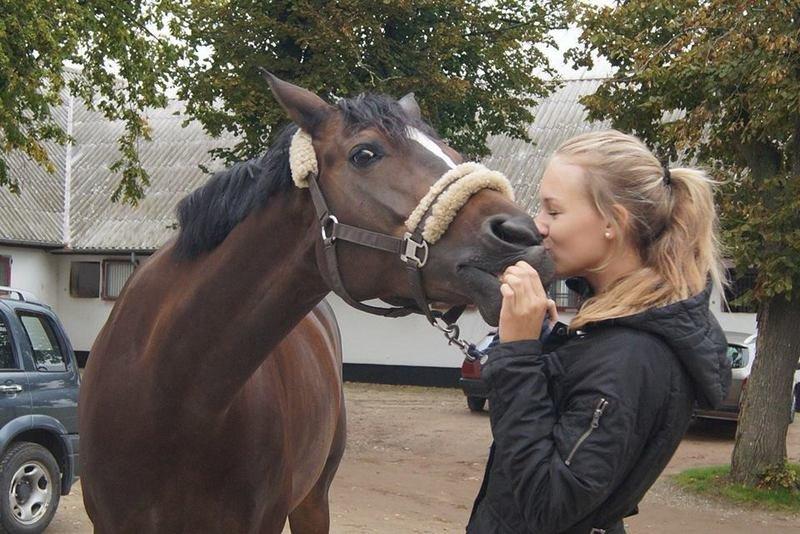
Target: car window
47, 353
6, 350
739, 356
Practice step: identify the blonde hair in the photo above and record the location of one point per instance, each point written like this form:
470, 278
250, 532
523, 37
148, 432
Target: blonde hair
671, 223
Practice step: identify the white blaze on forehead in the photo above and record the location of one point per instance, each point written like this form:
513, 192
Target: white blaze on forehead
430, 144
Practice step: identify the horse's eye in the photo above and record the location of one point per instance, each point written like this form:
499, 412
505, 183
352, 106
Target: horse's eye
363, 157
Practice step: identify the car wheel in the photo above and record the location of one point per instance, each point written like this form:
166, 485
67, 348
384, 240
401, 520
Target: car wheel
476, 404
30, 488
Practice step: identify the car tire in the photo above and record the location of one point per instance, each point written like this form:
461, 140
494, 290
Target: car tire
30, 488
476, 404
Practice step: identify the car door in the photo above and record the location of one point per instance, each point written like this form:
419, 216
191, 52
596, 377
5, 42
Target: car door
15, 397
52, 381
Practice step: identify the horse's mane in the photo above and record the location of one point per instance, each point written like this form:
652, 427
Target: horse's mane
207, 215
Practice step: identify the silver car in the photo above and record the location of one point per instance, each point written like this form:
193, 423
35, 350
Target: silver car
742, 354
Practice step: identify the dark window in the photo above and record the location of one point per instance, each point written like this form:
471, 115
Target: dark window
84, 279
565, 299
115, 274
6, 350
5, 271
47, 352
736, 294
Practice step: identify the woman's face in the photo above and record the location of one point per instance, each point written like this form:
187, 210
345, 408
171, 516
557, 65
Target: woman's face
572, 228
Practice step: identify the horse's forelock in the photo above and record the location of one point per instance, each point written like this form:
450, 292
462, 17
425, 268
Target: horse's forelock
384, 113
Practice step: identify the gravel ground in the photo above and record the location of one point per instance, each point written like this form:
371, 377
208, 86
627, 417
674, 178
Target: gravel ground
415, 459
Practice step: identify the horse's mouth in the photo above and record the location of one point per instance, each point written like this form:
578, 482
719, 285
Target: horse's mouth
482, 283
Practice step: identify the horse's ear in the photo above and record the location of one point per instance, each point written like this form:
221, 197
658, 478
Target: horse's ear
410, 106
305, 108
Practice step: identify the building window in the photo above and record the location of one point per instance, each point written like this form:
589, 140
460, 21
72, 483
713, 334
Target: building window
565, 299
5, 271
740, 284
115, 274
84, 279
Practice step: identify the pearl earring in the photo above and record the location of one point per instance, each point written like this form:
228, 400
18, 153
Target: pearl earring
608, 235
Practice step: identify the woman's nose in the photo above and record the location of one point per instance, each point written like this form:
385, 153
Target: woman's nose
540, 226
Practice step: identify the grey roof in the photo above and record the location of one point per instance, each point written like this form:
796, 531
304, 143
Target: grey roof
93, 222
39, 214
171, 159
556, 119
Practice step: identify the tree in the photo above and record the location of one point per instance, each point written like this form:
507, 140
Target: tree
733, 68
122, 55
470, 63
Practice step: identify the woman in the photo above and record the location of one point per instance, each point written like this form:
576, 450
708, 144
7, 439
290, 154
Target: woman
586, 419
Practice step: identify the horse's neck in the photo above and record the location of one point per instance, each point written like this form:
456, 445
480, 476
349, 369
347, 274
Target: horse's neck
241, 299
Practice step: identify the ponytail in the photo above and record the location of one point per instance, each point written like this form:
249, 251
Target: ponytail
672, 223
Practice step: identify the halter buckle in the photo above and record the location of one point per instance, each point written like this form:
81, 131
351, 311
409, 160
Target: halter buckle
331, 221
412, 248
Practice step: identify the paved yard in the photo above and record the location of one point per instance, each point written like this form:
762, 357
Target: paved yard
415, 458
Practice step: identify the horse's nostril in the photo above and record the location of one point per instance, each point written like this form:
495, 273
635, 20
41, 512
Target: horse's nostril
520, 230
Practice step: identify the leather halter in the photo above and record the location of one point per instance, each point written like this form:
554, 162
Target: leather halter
412, 249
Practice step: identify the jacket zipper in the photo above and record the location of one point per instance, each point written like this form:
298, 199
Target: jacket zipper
598, 412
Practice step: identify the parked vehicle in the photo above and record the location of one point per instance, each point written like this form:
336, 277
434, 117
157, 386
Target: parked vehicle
470, 381
742, 353
39, 383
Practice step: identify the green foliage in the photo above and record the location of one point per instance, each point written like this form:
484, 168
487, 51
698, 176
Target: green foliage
777, 491
124, 62
730, 72
469, 63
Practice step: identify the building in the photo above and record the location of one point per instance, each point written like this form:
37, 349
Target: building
64, 240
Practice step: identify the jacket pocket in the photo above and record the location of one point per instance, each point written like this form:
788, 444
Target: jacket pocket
599, 409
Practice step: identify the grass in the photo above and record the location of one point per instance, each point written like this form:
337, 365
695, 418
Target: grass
714, 482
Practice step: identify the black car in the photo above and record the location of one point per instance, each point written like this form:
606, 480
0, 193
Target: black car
39, 382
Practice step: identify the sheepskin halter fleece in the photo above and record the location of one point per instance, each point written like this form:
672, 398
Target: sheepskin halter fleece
443, 200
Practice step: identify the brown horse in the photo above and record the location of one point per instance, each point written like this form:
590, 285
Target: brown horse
212, 400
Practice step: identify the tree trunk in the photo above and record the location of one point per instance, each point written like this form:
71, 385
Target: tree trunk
764, 419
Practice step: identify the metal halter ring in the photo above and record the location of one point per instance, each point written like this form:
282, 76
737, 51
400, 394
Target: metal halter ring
331, 221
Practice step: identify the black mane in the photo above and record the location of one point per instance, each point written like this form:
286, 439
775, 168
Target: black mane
207, 215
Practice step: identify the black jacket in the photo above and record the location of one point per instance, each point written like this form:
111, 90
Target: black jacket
584, 422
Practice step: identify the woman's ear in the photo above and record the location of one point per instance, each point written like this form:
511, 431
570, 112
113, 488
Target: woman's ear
622, 217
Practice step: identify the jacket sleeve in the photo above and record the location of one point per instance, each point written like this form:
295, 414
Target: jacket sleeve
562, 466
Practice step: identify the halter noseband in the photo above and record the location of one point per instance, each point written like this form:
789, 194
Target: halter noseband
426, 224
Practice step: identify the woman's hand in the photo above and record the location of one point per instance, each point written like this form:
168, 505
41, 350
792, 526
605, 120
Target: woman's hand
525, 304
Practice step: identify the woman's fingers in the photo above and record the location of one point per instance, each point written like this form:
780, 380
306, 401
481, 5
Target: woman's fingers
522, 297
533, 277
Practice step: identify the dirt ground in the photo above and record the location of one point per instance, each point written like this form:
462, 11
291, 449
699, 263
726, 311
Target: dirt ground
415, 459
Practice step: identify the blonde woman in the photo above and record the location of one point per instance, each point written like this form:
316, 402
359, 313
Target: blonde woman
586, 419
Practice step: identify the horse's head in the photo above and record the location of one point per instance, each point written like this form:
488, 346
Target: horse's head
376, 160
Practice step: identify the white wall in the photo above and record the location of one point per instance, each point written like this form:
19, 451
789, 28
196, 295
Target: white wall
33, 270
366, 338
732, 322
82, 317
403, 341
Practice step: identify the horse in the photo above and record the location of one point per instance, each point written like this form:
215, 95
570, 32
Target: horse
213, 399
